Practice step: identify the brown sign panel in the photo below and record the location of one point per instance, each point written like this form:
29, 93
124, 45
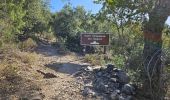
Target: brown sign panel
101, 39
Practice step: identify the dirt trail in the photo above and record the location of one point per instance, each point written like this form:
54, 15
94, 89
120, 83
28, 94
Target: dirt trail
60, 85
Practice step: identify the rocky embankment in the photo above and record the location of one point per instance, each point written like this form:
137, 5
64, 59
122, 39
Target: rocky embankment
108, 83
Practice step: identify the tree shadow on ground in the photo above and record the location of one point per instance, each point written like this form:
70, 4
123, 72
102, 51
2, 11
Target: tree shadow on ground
67, 68
50, 49
46, 49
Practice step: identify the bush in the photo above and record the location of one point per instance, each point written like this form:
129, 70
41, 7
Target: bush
94, 59
119, 60
29, 58
73, 43
9, 71
49, 36
8, 77
28, 44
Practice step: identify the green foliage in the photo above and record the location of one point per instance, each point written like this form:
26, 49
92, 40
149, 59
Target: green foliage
12, 12
73, 43
70, 22
37, 16
94, 59
23, 17
119, 60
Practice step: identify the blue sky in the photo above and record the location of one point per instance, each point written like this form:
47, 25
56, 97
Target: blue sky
56, 5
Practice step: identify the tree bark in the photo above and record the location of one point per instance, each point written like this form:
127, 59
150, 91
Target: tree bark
152, 52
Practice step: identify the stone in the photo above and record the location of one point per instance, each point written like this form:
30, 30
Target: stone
116, 69
108, 81
115, 94
122, 97
99, 74
89, 68
113, 79
128, 89
114, 86
122, 77
110, 67
129, 98
102, 87
88, 91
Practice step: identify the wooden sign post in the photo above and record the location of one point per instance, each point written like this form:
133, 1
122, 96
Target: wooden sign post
95, 39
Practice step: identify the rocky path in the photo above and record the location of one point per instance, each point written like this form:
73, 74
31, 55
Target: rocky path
55, 71
53, 74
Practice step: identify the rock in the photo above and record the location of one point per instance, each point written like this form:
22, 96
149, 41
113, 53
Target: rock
88, 91
113, 79
121, 97
110, 67
128, 89
106, 75
106, 86
99, 74
118, 91
129, 98
89, 68
114, 86
116, 69
110, 82
100, 85
122, 77
114, 95
88, 82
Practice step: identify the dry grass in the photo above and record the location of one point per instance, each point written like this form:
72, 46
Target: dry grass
12, 60
28, 45
29, 58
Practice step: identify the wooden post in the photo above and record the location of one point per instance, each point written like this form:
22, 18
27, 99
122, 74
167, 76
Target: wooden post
84, 50
105, 49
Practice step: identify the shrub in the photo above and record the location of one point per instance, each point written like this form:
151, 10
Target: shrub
28, 44
73, 43
94, 59
29, 58
9, 70
50, 36
118, 60
8, 77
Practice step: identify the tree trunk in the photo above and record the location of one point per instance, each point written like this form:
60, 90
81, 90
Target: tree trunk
152, 53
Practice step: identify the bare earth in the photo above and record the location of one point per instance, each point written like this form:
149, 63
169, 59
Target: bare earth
51, 78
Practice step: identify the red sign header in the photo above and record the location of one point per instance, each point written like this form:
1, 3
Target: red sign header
95, 39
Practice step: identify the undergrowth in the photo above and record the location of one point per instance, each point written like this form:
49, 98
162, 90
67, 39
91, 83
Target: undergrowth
12, 60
